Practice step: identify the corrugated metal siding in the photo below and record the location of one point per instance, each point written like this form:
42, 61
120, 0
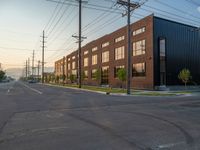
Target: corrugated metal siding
182, 50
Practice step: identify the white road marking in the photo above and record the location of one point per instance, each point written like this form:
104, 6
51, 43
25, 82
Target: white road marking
37, 91
164, 146
8, 91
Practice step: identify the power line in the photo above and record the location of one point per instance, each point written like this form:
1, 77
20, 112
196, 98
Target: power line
23, 49
179, 17
62, 31
55, 25
55, 16
175, 8
170, 13
52, 15
193, 2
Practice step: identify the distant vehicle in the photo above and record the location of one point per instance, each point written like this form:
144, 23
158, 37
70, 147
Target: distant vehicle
32, 81
5, 81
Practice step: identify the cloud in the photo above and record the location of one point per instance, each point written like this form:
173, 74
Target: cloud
198, 8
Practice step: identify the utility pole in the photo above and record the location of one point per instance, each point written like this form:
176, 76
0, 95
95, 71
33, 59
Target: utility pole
43, 42
130, 6
63, 69
26, 69
38, 73
80, 39
33, 63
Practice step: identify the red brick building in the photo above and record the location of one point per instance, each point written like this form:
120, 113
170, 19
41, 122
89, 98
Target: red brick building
109, 53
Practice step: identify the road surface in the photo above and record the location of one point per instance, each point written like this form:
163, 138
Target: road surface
39, 117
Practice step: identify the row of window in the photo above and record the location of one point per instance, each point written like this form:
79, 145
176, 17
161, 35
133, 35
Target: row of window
138, 70
139, 48
121, 38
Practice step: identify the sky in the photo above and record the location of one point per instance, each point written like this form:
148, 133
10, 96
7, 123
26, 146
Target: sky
22, 23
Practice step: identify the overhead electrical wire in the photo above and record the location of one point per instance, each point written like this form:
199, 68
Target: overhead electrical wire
52, 15
52, 40
102, 8
55, 16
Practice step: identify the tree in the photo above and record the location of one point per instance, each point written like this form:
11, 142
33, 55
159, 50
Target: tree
83, 76
2, 75
185, 76
52, 78
121, 74
63, 77
57, 79
97, 75
72, 78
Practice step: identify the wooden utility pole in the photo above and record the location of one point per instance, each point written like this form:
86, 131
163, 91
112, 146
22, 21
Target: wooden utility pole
26, 69
33, 63
43, 42
130, 6
63, 70
38, 73
80, 39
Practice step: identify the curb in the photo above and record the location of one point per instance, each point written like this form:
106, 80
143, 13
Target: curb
114, 94
105, 93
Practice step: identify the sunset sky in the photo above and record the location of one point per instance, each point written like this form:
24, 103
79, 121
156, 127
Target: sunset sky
22, 23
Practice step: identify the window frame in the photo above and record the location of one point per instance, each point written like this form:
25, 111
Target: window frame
121, 55
139, 74
141, 50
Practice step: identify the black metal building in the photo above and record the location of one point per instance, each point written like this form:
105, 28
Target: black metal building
176, 46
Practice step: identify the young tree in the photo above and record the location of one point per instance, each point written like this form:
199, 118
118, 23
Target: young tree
63, 77
52, 78
57, 79
83, 76
2, 75
72, 78
121, 74
185, 76
98, 76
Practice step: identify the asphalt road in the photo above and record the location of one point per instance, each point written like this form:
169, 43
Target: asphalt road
38, 117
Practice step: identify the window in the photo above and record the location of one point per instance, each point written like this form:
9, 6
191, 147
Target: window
139, 31
94, 59
94, 49
105, 75
116, 69
74, 72
121, 38
73, 57
69, 59
94, 73
85, 52
73, 65
139, 47
105, 57
105, 44
139, 70
68, 75
162, 47
61, 68
85, 74
119, 53
69, 66
85, 63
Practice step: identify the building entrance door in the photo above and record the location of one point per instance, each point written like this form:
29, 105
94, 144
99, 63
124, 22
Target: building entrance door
162, 78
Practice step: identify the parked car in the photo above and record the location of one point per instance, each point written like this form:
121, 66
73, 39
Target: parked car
32, 81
